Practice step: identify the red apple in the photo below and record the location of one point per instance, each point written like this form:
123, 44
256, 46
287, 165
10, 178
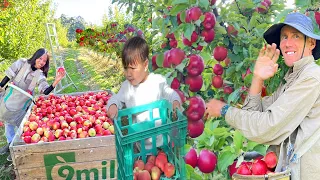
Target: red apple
195, 66
194, 13
217, 81
209, 20
151, 159
144, 175
92, 132
61, 69
35, 138
175, 84
33, 125
208, 35
195, 128
195, 109
244, 170
169, 170
139, 163
194, 82
191, 158
155, 173
232, 31
259, 167
232, 168
220, 53
207, 161
218, 69
271, 159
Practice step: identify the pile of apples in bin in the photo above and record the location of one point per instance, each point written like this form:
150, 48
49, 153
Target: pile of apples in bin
68, 117
153, 168
260, 166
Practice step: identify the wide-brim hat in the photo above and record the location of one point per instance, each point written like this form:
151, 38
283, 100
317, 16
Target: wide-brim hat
299, 21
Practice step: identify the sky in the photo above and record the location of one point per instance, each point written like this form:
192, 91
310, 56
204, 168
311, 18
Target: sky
91, 10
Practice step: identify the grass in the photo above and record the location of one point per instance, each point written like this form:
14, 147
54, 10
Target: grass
105, 72
88, 71
6, 169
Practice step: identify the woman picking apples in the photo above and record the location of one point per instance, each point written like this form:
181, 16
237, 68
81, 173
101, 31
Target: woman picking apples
26, 74
290, 117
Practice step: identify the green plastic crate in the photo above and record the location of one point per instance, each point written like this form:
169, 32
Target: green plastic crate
131, 133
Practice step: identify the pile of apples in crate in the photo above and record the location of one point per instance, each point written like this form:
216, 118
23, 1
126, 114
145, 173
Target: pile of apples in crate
68, 117
259, 166
153, 168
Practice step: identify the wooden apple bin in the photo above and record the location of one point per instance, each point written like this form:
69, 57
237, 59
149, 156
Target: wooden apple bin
84, 158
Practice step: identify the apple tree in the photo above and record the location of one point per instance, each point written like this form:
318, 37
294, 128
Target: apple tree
22, 28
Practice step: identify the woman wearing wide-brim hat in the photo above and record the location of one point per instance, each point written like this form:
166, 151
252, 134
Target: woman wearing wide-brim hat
290, 117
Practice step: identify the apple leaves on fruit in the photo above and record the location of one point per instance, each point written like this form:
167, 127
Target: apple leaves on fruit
238, 140
189, 28
225, 159
176, 9
204, 3
191, 174
234, 96
182, 65
175, 2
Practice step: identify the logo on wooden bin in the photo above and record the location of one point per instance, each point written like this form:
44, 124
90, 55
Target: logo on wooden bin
62, 165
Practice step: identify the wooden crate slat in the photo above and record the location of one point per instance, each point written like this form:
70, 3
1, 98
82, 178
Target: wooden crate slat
22, 159
102, 169
91, 142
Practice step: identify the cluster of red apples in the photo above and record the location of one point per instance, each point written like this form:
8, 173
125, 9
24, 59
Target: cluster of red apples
66, 117
154, 168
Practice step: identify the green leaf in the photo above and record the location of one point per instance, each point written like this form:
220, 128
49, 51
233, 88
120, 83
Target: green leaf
182, 65
220, 29
204, 3
285, 12
187, 147
238, 140
302, 3
176, 9
245, 52
212, 124
189, 30
211, 140
208, 131
236, 49
198, 22
239, 66
234, 96
206, 56
196, 176
175, 2
159, 59
261, 149
183, 18
248, 80
251, 145
169, 80
225, 159
220, 131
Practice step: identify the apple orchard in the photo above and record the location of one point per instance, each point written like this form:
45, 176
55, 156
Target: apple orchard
205, 50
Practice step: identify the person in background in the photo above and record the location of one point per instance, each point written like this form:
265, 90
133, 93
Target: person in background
291, 115
25, 74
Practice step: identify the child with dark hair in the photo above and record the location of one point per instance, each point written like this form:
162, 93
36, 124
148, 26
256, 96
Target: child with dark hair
25, 74
140, 87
